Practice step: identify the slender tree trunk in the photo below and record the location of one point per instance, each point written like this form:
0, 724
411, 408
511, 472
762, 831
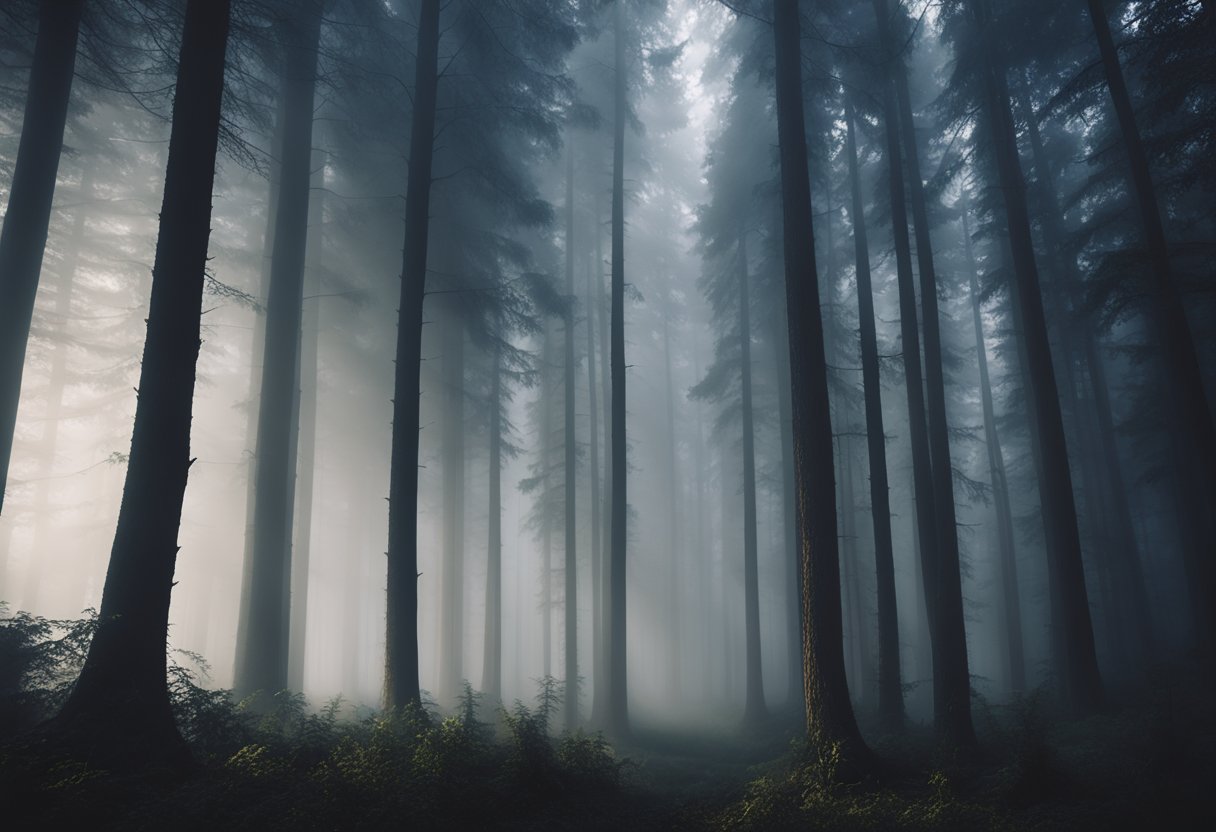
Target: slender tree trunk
618, 691
1011, 605
570, 443
546, 546
755, 710
704, 564
890, 687
262, 661
789, 549
401, 642
951, 681
53, 411
1076, 662
28, 217
599, 714
451, 639
491, 674
122, 691
307, 442
829, 713
675, 606
593, 442
924, 495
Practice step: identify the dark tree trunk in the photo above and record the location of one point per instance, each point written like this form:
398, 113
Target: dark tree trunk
755, 710
924, 495
307, 440
569, 442
599, 713
951, 681
122, 691
1076, 661
618, 691
1184, 385
262, 659
28, 217
401, 641
829, 713
1011, 605
890, 688
491, 674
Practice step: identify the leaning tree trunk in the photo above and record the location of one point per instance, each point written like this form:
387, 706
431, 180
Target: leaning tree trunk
570, 700
122, 692
23, 239
618, 687
952, 685
755, 710
262, 659
890, 689
1076, 662
1184, 385
401, 638
829, 713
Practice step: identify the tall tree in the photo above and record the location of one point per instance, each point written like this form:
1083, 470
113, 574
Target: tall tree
28, 216
618, 687
401, 640
890, 690
122, 693
829, 713
1076, 662
261, 663
571, 467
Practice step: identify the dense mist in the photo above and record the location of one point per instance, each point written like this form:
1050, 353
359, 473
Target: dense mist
660, 380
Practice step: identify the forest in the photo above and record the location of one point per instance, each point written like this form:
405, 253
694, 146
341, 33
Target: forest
608, 414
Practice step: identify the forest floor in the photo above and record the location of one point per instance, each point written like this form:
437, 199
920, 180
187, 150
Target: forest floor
1148, 762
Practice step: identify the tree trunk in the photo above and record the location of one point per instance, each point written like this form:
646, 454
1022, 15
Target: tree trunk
1184, 385
451, 636
890, 688
122, 690
951, 681
1011, 605
593, 441
789, 525
599, 712
262, 659
491, 674
401, 640
675, 607
829, 713
307, 439
28, 217
546, 508
755, 710
1076, 661
569, 441
924, 495
618, 690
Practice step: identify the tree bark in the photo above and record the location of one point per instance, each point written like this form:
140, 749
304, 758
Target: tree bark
591, 302
829, 713
122, 690
890, 687
401, 641
262, 659
28, 217
1076, 661
755, 710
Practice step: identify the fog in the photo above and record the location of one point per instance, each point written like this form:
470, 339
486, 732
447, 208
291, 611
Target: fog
521, 250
